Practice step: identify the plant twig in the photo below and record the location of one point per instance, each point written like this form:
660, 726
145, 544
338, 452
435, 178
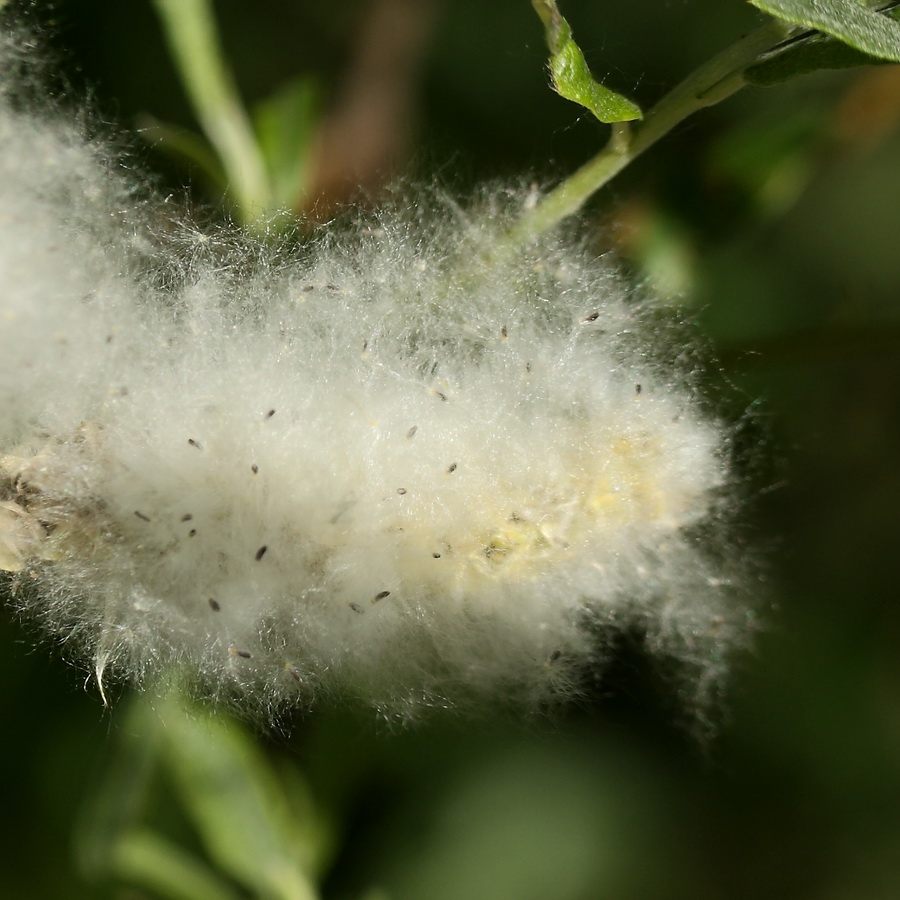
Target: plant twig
191, 32
711, 83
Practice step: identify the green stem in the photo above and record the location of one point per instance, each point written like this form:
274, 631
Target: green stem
191, 32
711, 83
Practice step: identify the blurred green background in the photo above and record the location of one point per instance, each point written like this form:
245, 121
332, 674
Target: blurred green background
774, 221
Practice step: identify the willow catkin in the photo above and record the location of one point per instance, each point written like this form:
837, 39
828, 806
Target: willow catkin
394, 463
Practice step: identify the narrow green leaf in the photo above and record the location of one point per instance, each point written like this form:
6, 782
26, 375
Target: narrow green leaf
810, 53
571, 76
285, 127
317, 832
152, 862
237, 805
117, 802
850, 21
189, 147
193, 38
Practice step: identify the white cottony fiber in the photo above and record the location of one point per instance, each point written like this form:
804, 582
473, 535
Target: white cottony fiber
399, 462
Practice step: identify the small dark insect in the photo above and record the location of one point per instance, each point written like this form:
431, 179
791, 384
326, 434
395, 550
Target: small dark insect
451, 468
308, 288
187, 517
555, 655
592, 317
243, 654
194, 443
401, 491
442, 396
435, 555
270, 413
365, 345
637, 389
380, 596
504, 333
214, 604
141, 516
412, 431
254, 468
192, 532
261, 552
356, 607
332, 287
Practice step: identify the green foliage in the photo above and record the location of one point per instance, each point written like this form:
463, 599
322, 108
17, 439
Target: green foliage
261, 164
145, 859
850, 21
284, 125
256, 825
571, 76
810, 53
862, 38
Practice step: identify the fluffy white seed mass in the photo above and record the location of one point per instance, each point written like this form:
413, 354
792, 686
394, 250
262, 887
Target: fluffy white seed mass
389, 463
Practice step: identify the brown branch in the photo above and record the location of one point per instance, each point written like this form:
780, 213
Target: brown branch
367, 137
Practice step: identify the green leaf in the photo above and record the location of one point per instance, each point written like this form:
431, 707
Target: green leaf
186, 146
850, 21
193, 37
810, 53
285, 127
115, 804
571, 76
143, 858
237, 804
